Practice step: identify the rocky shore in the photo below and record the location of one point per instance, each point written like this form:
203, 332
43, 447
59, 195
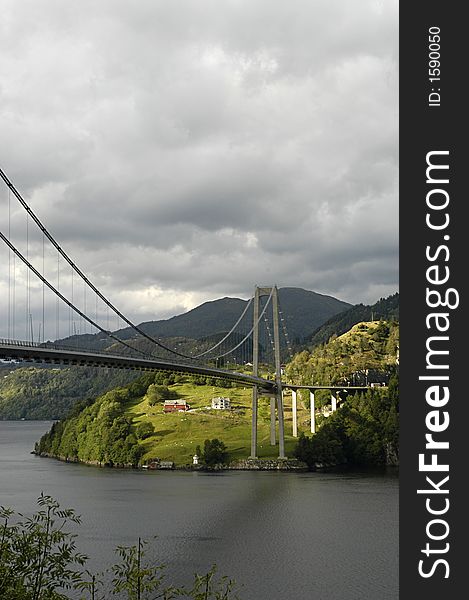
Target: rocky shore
249, 464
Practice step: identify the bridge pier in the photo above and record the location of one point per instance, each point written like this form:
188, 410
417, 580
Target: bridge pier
278, 376
254, 423
294, 413
281, 424
272, 421
313, 412
255, 372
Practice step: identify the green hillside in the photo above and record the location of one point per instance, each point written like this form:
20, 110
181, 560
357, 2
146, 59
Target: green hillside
303, 311
371, 345
49, 393
385, 308
109, 431
106, 431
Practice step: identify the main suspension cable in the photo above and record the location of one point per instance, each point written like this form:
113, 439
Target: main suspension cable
228, 334
248, 334
80, 272
64, 299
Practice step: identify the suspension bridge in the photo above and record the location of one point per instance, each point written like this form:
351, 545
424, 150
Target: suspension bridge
53, 313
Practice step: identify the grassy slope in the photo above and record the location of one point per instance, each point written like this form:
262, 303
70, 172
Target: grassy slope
178, 434
385, 308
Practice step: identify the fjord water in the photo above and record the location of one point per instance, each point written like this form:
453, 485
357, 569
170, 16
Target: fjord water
281, 536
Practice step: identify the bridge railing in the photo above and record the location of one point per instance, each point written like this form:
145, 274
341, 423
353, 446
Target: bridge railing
53, 346
5, 342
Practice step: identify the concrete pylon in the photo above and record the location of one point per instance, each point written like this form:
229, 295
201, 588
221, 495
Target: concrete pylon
278, 376
272, 422
333, 403
294, 413
254, 423
255, 372
278, 381
313, 412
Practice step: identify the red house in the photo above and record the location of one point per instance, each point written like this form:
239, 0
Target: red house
175, 406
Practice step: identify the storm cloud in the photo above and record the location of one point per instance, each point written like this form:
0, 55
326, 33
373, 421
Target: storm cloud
182, 151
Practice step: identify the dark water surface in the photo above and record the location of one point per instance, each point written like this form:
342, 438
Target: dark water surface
280, 535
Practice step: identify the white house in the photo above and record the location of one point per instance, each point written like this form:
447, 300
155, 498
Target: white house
221, 403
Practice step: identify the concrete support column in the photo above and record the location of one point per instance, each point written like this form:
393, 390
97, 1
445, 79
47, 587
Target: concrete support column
278, 376
333, 403
281, 425
255, 372
254, 423
313, 412
293, 413
272, 421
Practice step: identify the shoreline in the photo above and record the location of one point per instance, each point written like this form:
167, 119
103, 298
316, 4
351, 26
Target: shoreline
287, 465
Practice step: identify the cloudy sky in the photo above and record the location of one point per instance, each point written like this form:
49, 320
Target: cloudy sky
185, 150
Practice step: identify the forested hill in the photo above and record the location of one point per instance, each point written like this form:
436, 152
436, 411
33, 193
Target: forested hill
49, 393
368, 346
303, 311
385, 308
129, 426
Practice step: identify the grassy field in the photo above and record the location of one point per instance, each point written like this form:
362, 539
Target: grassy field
177, 435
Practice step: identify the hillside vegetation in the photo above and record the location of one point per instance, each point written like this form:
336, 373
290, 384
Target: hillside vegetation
386, 309
364, 431
303, 311
127, 426
368, 346
49, 393
108, 430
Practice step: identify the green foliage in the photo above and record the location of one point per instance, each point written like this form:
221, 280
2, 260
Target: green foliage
212, 381
134, 577
38, 558
144, 429
158, 393
39, 561
215, 452
50, 393
324, 448
206, 587
362, 432
198, 380
370, 346
385, 308
101, 433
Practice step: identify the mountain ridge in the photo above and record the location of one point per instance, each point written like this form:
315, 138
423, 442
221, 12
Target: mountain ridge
303, 310
385, 308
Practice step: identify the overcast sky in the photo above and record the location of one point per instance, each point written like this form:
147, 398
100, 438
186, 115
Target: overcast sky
183, 151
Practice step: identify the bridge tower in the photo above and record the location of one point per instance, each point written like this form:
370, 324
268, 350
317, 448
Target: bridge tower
278, 398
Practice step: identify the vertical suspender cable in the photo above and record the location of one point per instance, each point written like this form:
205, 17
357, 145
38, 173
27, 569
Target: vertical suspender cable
79, 271
9, 266
13, 303
43, 291
27, 281
70, 320
84, 309
73, 313
57, 308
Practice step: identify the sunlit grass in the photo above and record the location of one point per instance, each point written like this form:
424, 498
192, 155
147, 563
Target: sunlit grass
178, 434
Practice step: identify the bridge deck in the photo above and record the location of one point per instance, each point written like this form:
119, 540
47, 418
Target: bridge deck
18, 351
